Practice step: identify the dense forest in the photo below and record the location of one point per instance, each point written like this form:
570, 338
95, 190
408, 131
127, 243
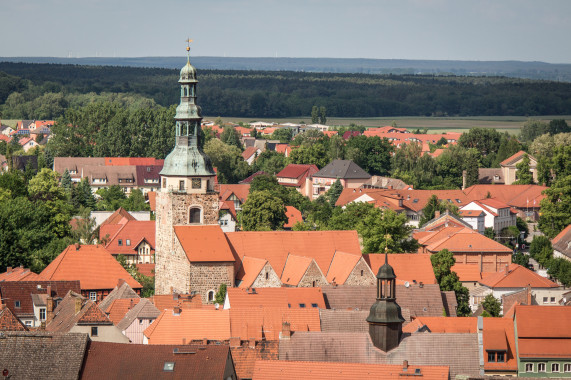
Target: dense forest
44, 91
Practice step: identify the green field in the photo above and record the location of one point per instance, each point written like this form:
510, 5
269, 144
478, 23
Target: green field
510, 124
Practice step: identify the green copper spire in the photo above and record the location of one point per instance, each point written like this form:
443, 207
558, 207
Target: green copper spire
187, 159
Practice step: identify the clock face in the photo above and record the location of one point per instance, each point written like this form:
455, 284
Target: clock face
196, 183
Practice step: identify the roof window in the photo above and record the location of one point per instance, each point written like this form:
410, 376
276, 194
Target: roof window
302, 305
314, 305
168, 367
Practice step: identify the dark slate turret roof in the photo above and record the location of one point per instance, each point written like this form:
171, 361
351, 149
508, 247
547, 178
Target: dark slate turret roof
342, 169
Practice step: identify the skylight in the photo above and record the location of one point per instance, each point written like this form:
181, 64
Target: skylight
169, 367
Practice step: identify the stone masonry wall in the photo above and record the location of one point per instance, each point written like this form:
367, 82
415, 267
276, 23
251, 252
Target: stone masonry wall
273, 280
313, 273
355, 277
209, 276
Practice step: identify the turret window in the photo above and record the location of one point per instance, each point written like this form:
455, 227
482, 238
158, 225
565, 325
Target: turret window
181, 185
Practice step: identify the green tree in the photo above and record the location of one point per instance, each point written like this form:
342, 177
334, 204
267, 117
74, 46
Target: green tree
322, 115
111, 198
521, 259
270, 162
282, 134
492, 306
472, 168
66, 181
385, 229
555, 208
220, 296
541, 249
532, 129
314, 115
230, 136
45, 187
310, 155
558, 126
334, 192
442, 263
263, 212
372, 154
523, 173
136, 201
228, 160
434, 204
85, 231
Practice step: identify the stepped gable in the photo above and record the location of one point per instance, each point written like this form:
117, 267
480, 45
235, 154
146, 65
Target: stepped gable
141, 361
121, 291
408, 267
92, 265
516, 276
204, 243
144, 309
54, 356
342, 169
275, 246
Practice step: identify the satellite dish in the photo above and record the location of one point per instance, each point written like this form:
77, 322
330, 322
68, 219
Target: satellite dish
217, 306
406, 284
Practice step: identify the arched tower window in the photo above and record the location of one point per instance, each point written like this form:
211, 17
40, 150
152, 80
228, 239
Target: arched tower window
210, 296
194, 215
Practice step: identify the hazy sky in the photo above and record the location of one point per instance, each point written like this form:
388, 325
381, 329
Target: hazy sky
526, 30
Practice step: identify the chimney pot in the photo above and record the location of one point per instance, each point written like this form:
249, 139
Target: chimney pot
9, 269
405, 365
176, 310
77, 246
77, 305
437, 214
205, 341
421, 284
286, 330
252, 343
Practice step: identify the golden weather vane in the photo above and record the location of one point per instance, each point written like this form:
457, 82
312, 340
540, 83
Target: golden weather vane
188, 41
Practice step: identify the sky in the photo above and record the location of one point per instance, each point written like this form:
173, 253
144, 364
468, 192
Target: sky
480, 30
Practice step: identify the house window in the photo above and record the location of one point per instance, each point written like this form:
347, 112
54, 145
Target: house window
194, 215
210, 296
528, 367
567, 368
42, 314
544, 299
16, 303
362, 272
29, 323
127, 242
196, 183
491, 357
181, 185
94, 331
267, 276
540, 367
501, 357
552, 300
120, 242
164, 183
555, 367
93, 296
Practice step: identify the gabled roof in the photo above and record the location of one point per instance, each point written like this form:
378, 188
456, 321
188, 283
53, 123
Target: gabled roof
189, 324
267, 322
284, 298
249, 270
471, 213
510, 161
118, 308
249, 152
342, 169
294, 269
204, 243
92, 265
24, 292
297, 171
241, 191
19, 274
247, 180
293, 216
9, 322
341, 266
55, 356
445, 220
519, 196
275, 246
275, 369
121, 291
407, 267
543, 331
517, 277
120, 216
461, 240
144, 309
140, 361
562, 242
467, 272
133, 232
443, 325
67, 315
494, 203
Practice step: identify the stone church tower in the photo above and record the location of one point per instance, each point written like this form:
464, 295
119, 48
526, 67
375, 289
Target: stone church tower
187, 195
385, 319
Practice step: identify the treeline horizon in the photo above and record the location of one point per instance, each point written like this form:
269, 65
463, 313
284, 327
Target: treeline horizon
45, 91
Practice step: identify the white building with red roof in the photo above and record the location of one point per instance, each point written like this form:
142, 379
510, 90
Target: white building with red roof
499, 215
298, 176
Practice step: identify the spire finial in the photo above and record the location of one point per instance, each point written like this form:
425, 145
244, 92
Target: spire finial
188, 41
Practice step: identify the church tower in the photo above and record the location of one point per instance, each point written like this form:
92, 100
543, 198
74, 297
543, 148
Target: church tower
187, 195
385, 319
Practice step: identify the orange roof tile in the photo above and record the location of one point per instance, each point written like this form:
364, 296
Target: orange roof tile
513, 158
531, 321
19, 274
249, 270
267, 322
498, 335
275, 369
92, 265
190, 324
131, 234
293, 216
445, 324
457, 239
517, 277
514, 195
120, 216
467, 272
407, 267
275, 246
341, 267
285, 297
560, 235
471, 213
146, 269
241, 191
119, 307
493, 202
249, 152
204, 243
152, 196
294, 269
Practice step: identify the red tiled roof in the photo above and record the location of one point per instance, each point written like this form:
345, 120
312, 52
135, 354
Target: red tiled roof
241, 191
249, 271
293, 216
190, 324
249, 152
517, 277
146, 269
132, 232
444, 324
204, 243
283, 148
543, 331
275, 369
467, 272
267, 322
120, 216
285, 297
457, 239
341, 267
152, 196
9, 322
471, 213
519, 196
118, 308
296, 170
92, 265
294, 269
510, 160
495, 203
275, 246
19, 274
555, 240
407, 267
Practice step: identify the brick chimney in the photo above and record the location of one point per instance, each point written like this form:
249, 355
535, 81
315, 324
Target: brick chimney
49, 305
8, 269
405, 365
437, 214
529, 294
252, 343
77, 246
286, 330
176, 310
507, 270
120, 282
235, 342
77, 305
205, 341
